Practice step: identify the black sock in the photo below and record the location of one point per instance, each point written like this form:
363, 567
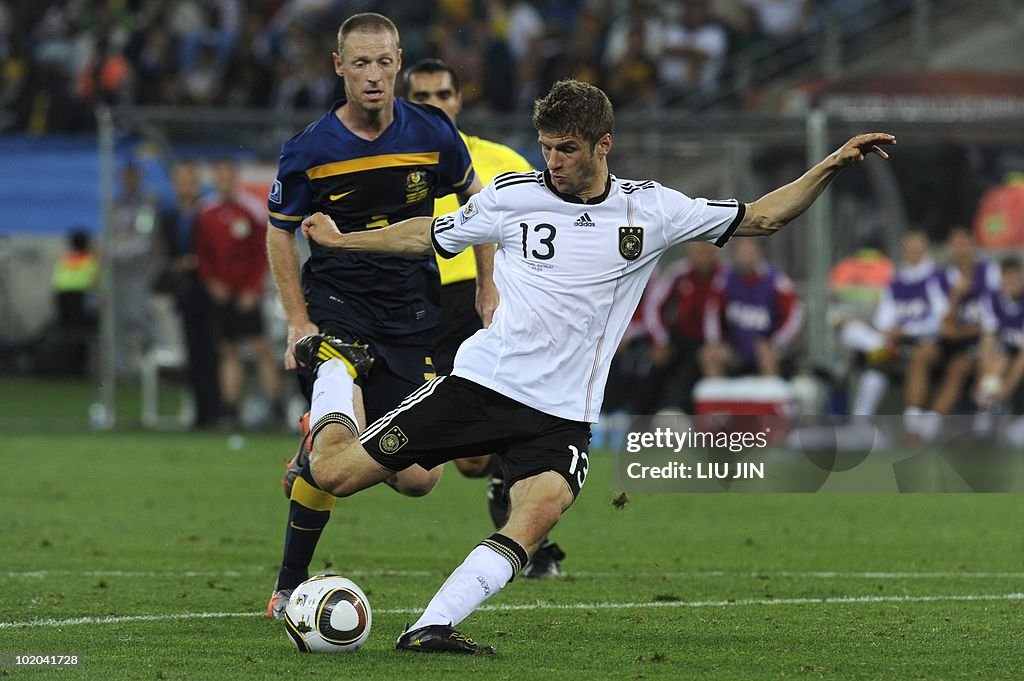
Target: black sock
497, 503
305, 525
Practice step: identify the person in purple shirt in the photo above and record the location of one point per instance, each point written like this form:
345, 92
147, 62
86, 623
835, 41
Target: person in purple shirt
965, 282
909, 312
1002, 327
753, 316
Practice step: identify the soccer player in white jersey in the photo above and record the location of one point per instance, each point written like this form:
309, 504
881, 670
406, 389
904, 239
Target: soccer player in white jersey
575, 247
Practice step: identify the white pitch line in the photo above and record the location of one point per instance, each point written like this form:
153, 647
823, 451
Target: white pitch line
831, 600
175, 574
826, 574
699, 574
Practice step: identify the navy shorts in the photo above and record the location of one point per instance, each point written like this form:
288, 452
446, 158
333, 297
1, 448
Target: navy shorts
401, 363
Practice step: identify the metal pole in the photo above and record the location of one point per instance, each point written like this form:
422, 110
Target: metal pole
832, 45
819, 339
920, 30
103, 412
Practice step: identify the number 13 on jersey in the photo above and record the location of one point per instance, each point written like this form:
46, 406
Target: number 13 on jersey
543, 235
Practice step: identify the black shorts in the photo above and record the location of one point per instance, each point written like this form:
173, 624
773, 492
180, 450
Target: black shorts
450, 418
950, 348
400, 366
459, 321
232, 323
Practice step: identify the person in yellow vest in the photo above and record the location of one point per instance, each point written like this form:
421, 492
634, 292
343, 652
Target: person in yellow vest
74, 284
433, 82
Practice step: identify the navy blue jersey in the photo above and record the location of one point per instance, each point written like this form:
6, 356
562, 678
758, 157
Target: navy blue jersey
364, 185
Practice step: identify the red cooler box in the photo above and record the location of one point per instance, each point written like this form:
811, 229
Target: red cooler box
752, 403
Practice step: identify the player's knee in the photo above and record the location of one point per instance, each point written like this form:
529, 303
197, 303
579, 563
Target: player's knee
327, 477
419, 489
924, 355
415, 481
961, 368
330, 472
473, 466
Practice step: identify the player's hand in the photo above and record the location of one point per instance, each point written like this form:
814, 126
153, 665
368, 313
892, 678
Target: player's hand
961, 288
297, 332
661, 353
248, 300
218, 291
486, 301
858, 147
320, 228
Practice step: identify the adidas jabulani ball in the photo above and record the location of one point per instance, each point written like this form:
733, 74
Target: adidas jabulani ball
328, 614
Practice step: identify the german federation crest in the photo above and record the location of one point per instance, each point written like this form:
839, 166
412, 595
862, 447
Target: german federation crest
393, 440
631, 242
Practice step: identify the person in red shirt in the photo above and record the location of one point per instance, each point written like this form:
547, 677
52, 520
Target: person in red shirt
232, 264
675, 321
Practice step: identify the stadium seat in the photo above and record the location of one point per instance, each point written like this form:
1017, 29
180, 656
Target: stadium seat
167, 354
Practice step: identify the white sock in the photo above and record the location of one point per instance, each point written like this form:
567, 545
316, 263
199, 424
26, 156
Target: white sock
870, 389
859, 335
486, 570
984, 422
931, 424
332, 396
912, 420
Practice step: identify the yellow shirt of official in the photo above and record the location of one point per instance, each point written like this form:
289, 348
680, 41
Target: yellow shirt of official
489, 159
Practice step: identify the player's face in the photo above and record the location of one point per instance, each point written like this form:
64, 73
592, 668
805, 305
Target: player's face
960, 247
575, 166
225, 176
436, 89
369, 64
915, 248
1012, 282
186, 181
747, 256
703, 256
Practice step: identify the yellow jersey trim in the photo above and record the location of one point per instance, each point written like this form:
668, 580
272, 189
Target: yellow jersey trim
358, 165
282, 216
461, 183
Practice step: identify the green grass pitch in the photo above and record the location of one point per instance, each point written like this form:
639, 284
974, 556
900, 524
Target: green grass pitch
152, 555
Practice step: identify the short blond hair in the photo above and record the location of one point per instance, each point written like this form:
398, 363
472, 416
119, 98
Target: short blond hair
367, 21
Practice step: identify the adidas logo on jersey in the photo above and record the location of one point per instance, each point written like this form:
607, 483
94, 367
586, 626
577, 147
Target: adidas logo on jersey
584, 221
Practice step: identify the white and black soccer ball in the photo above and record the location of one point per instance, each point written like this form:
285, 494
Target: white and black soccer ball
328, 614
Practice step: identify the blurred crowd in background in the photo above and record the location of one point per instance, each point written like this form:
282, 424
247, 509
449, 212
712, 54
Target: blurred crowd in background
707, 314
935, 329
60, 58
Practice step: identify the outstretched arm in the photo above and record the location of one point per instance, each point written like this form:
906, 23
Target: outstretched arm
773, 210
408, 237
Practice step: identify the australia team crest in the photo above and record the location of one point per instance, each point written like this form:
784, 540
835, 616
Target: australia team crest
416, 186
631, 242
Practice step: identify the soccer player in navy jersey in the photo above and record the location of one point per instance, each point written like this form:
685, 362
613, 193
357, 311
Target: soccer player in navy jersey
370, 161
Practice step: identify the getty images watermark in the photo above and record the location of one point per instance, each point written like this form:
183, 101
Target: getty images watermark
669, 440
679, 453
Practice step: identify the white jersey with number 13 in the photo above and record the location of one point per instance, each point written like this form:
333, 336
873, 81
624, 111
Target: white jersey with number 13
570, 275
